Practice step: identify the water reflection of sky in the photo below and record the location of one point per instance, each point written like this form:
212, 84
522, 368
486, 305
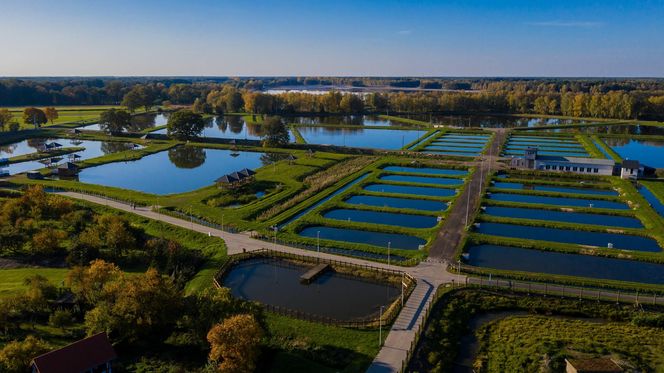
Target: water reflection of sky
648, 152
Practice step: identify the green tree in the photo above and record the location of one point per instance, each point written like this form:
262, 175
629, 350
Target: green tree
51, 114
351, 103
34, 116
185, 124
132, 100
114, 120
187, 156
5, 117
275, 132
235, 344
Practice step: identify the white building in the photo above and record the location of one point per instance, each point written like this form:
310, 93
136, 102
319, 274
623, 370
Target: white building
552, 163
631, 170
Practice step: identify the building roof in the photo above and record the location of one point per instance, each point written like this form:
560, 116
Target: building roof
79, 356
578, 160
595, 365
68, 166
247, 172
630, 163
226, 179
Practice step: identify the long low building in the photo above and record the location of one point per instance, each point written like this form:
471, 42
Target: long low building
578, 165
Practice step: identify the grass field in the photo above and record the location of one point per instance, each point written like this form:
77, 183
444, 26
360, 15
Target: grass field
527, 343
67, 114
12, 280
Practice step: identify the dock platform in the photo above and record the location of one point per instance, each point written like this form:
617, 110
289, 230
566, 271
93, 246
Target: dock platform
311, 274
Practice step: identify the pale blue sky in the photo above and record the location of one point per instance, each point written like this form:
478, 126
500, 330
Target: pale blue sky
335, 37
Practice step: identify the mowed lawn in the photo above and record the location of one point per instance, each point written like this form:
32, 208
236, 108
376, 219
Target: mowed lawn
12, 280
66, 114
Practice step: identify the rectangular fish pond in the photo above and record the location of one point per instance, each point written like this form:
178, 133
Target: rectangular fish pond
397, 203
563, 216
177, 170
528, 260
558, 201
425, 170
360, 137
599, 239
552, 188
380, 239
422, 179
337, 294
379, 217
411, 190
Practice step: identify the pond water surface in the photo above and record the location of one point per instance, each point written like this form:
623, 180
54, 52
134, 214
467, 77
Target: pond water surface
527, 260
425, 170
558, 201
93, 149
550, 188
177, 170
600, 239
413, 190
563, 216
398, 203
648, 152
379, 217
276, 282
422, 179
138, 122
381, 239
360, 137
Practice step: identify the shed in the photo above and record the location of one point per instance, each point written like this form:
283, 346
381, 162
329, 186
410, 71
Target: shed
594, 365
247, 172
68, 169
631, 169
92, 354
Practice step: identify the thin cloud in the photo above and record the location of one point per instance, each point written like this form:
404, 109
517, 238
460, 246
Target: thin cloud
577, 24
405, 32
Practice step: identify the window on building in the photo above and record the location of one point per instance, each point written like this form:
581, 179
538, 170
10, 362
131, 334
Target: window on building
567, 168
575, 168
595, 170
548, 167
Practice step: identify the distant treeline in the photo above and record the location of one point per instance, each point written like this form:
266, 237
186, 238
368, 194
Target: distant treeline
598, 98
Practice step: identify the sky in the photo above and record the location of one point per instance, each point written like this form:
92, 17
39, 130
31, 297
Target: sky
332, 38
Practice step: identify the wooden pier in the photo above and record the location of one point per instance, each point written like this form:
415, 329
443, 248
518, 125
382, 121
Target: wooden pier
311, 274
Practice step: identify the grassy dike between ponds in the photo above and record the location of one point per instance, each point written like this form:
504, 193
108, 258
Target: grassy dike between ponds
315, 217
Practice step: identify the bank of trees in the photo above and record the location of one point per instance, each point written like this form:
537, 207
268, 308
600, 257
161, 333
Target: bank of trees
600, 98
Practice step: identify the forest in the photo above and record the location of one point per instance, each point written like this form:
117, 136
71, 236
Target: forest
594, 98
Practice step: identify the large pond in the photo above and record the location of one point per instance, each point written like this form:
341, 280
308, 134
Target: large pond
360, 137
487, 121
230, 127
381, 239
624, 129
346, 120
413, 190
558, 189
92, 149
177, 170
517, 259
619, 241
564, 216
422, 179
276, 282
379, 217
648, 152
558, 201
138, 122
397, 203
425, 170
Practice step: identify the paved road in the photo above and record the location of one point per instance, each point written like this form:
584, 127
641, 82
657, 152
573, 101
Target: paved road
454, 228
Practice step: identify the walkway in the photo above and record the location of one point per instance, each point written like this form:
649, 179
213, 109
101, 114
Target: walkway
429, 275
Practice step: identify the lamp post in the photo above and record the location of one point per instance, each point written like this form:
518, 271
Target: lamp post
389, 243
380, 327
479, 190
468, 201
318, 241
191, 216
